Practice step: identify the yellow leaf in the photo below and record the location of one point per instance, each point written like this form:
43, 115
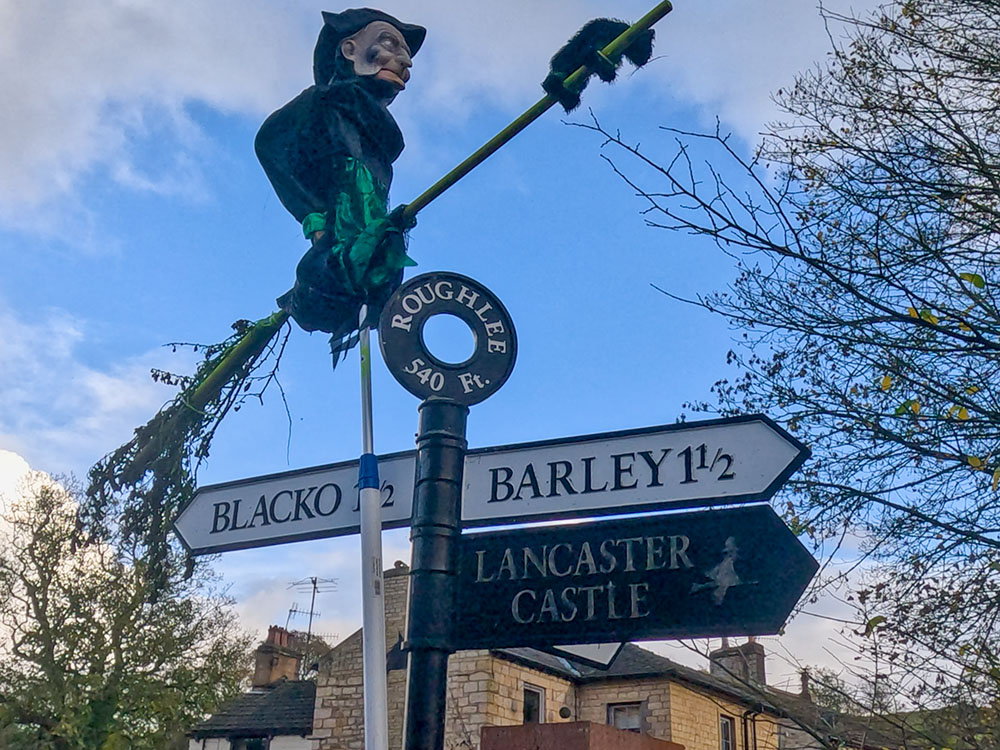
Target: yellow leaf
963, 327
963, 413
996, 478
886, 383
913, 313
974, 462
972, 390
975, 279
915, 407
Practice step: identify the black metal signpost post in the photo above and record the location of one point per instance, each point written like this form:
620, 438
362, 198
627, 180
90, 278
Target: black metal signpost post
435, 530
447, 390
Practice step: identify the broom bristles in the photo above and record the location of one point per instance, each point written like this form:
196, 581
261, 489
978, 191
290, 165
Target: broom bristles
152, 477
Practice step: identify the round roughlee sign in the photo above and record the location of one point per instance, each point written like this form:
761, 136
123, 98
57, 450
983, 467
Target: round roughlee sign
417, 369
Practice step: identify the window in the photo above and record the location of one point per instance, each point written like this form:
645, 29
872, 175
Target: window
250, 743
534, 704
625, 716
727, 733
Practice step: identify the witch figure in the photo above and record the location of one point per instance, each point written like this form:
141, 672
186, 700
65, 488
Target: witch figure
328, 154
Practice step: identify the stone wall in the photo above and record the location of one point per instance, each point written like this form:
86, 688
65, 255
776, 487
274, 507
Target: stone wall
484, 689
695, 718
653, 695
338, 722
505, 705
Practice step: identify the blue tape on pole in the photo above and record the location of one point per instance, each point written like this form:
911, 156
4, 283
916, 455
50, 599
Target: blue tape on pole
368, 471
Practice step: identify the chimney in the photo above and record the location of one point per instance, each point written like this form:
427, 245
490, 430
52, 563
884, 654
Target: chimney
743, 663
275, 659
804, 691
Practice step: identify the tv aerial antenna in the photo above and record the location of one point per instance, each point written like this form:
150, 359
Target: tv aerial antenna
316, 586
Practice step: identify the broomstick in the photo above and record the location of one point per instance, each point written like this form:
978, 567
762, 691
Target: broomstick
155, 470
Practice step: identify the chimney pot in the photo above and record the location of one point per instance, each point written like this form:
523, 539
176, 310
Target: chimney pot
744, 663
275, 659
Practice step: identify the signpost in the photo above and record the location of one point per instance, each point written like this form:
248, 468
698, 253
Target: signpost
737, 571
447, 390
578, 590
581, 590
738, 460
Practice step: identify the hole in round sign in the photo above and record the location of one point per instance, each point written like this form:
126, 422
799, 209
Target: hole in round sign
448, 338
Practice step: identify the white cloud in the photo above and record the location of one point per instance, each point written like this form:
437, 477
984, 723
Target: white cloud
13, 470
60, 413
728, 58
84, 83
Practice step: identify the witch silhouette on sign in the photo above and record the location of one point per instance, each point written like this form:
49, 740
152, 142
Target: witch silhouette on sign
723, 576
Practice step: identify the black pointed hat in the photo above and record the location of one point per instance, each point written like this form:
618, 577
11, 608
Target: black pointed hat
339, 26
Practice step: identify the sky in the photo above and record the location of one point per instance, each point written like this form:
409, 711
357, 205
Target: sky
133, 213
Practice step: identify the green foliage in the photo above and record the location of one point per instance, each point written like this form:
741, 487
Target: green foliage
137, 490
93, 662
842, 694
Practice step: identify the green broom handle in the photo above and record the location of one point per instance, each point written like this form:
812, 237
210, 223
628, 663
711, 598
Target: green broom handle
613, 52
246, 350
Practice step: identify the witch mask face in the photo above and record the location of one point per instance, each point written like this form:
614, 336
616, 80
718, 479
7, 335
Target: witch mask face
379, 50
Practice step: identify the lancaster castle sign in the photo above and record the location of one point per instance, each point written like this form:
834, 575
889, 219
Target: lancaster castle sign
688, 575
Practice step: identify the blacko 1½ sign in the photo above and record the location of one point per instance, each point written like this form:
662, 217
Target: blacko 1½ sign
728, 572
292, 506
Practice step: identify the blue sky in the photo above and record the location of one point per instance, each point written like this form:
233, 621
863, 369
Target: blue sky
133, 213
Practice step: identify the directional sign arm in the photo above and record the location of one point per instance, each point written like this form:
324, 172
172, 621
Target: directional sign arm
737, 571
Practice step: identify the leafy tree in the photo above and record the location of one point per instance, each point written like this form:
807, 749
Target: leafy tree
829, 690
866, 236
90, 660
312, 647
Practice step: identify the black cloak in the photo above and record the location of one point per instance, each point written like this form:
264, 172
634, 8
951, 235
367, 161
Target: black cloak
303, 148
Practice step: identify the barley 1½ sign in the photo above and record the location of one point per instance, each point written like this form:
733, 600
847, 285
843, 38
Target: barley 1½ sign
737, 571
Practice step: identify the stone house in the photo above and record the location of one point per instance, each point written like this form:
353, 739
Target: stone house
277, 712
729, 708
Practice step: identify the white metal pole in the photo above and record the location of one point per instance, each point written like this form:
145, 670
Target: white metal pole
372, 585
